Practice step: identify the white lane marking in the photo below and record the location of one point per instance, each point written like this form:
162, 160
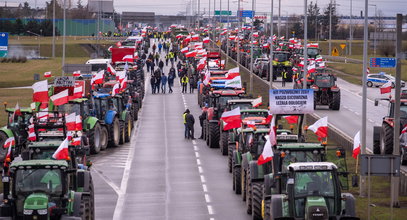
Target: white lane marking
193, 142
198, 161
200, 169
212, 219
207, 198
107, 180
210, 210
205, 189
203, 180
197, 154
196, 148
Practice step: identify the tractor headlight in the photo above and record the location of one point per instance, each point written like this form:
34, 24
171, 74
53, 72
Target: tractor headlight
42, 211
28, 212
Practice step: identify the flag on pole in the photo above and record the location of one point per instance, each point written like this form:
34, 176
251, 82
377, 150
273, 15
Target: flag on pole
231, 119
40, 93
320, 128
257, 102
47, 74
267, 154
62, 152
70, 121
76, 73
356, 145
291, 119
31, 133
60, 98
386, 88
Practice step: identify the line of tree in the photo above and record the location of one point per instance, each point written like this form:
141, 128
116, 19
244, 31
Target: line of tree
17, 27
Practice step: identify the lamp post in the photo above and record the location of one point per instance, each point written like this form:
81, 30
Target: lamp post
64, 40
271, 45
251, 51
375, 28
350, 28
305, 44
53, 28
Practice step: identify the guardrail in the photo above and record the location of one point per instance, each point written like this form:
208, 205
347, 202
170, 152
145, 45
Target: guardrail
108, 38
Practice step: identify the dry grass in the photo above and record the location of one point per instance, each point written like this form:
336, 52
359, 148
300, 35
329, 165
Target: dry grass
12, 96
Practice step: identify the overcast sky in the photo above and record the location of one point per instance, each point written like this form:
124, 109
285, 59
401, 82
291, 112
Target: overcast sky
171, 7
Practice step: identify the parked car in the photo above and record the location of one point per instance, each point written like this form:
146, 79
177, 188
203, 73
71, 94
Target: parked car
379, 79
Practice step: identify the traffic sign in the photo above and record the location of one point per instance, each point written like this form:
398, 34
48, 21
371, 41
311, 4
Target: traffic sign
343, 46
223, 12
246, 13
3, 44
382, 62
335, 52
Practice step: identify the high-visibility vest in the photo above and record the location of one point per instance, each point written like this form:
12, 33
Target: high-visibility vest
184, 116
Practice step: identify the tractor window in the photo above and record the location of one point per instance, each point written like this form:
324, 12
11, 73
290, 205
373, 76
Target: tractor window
253, 114
299, 156
128, 43
38, 180
313, 183
98, 67
280, 57
403, 110
222, 100
324, 81
312, 51
242, 106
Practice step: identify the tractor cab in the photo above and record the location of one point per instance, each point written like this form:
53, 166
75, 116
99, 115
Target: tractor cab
241, 103
324, 80
289, 128
79, 106
258, 118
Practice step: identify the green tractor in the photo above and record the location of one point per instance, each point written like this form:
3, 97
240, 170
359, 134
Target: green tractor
47, 189
312, 190
16, 127
282, 63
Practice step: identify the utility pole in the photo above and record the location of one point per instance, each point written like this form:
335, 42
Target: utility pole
53, 28
227, 38
305, 44
330, 27
362, 187
199, 15
239, 26
271, 45
251, 51
395, 180
64, 40
350, 29
279, 19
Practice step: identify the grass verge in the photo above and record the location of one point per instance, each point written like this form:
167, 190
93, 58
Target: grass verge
12, 96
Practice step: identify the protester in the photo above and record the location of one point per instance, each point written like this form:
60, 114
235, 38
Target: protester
184, 83
184, 117
191, 84
164, 80
152, 65
161, 65
190, 120
152, 82
171, 77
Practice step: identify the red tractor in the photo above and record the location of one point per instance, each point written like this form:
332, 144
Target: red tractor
326, 92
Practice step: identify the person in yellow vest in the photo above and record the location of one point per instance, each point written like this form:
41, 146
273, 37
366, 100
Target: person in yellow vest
184, 117
283, 78
184, 82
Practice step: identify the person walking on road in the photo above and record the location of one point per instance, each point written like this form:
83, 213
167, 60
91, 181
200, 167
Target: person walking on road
184, 83
191, 84
166, 60
148, 64
171, 77
190, 125
161, 65
160, 46
152, 65
283, 78
164, 80
156, 57
184, 117
154, 47
152, 82
157, 75
179, 66
202, 117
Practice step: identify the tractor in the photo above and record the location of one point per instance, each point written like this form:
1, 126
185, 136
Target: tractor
282, 63
311, 190
383, 136
16, 127
326, 92
216, 100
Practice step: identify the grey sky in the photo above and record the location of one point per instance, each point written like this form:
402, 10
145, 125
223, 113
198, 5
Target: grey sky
170, 7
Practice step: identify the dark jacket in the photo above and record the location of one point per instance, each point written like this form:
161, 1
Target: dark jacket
190, 120
161, 64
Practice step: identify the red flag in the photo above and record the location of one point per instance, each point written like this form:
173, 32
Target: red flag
31, 133
62, 152
40, 93
47, 74
206, 40
184, 50
386, 88
232, 73
98, 78
320, 128
231, 119
195, 37
76, 73
78, 123
10, 142
60, 98
292, 119
70, 121
356, 145
116, 89
76, 141
267, 154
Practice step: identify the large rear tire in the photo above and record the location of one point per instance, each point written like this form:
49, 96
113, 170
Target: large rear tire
249, 198
136, 109
213, 135
376, 140
104, 138
230, 156
224, 142
114, 133
266, 209
243, 183
123, 125
85, 208
128, 129
257, 195
236, 180
386, 139
336, 101
94, 136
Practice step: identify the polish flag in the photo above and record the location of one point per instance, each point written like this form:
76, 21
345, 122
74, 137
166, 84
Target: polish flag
385, 88
320, 128
195, 37
76, 141
292, 119
313, 45
206, 40
267, 154
31, 133
232, 73
190, 54
232, 37
69, 135
98, 78
78, 123
207, 77
274, 37
404, 130
47, 74
62, 152
60, 98
77, 92
40, 93
319, 59
8, 157
76, 73
120, 75
257, 102
251, 124
311, 68
110, 69
43, 114
128, 58
115, 89
223, 32
198, 45
70, 122
266, 45
184, 50
187, 39
17, 110
231, 119
282, 38
179, 36
256, 34
301, 64
234, 83
321, 65
9, 142
356, 145
123, 84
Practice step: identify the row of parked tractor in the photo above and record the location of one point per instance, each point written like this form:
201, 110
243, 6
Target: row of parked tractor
45, 147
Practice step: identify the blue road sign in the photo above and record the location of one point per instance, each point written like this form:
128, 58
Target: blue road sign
382, 62
246, 13
3, 44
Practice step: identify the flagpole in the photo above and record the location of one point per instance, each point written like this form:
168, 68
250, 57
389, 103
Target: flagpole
64, 41
271, 45
251, 51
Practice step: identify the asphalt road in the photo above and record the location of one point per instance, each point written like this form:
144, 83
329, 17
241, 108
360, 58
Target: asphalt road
159, 174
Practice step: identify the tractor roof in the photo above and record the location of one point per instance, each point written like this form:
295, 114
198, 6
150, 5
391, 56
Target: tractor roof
240, 101
300, 146
304, 166
46, 143
23, 110
78, 100
228, 92
262, 130
39, 163
254, 110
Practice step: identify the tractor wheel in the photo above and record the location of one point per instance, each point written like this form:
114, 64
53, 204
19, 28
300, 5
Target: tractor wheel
237, 183
136, 109
230, 155
3, 151
386, 139
257, 191
213, 135
128, 129
94, 136
85, 208
243, 183
104, 138
114, 133
205, 124
266, 209
223, 143
336, 100
376, 140
123, 125
249, 199
92, 198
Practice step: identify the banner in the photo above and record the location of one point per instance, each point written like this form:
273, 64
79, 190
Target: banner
291, 101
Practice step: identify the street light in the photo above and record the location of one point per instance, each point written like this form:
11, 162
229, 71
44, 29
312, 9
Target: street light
375, 28
38, 37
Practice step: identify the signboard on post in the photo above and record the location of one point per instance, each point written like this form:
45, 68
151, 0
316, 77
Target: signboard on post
291, 101
245, 14
3, 44
383, 62
223, 12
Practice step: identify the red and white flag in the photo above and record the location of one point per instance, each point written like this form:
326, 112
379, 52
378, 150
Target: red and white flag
190, 54
386, 88
356, 145
206, 40
207, 77
232, 37
47, 74
179, 36
118, 44
256, 34
77, 92
257, 102
78, 123
31, 133
40, 93
123, 84
231, 119
70, 121
76, 73
232, 73
17, 111
98, 78
311, 68
116, 89
62, 152
60, 98
404, 130
320, 128
110, 69
76, 141
184, 50
8, 157
251, 124
10, 142
128, 58
267, 154
291, 119
43, 114
195, 37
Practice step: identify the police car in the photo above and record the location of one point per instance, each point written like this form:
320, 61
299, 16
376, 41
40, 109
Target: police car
379, 79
